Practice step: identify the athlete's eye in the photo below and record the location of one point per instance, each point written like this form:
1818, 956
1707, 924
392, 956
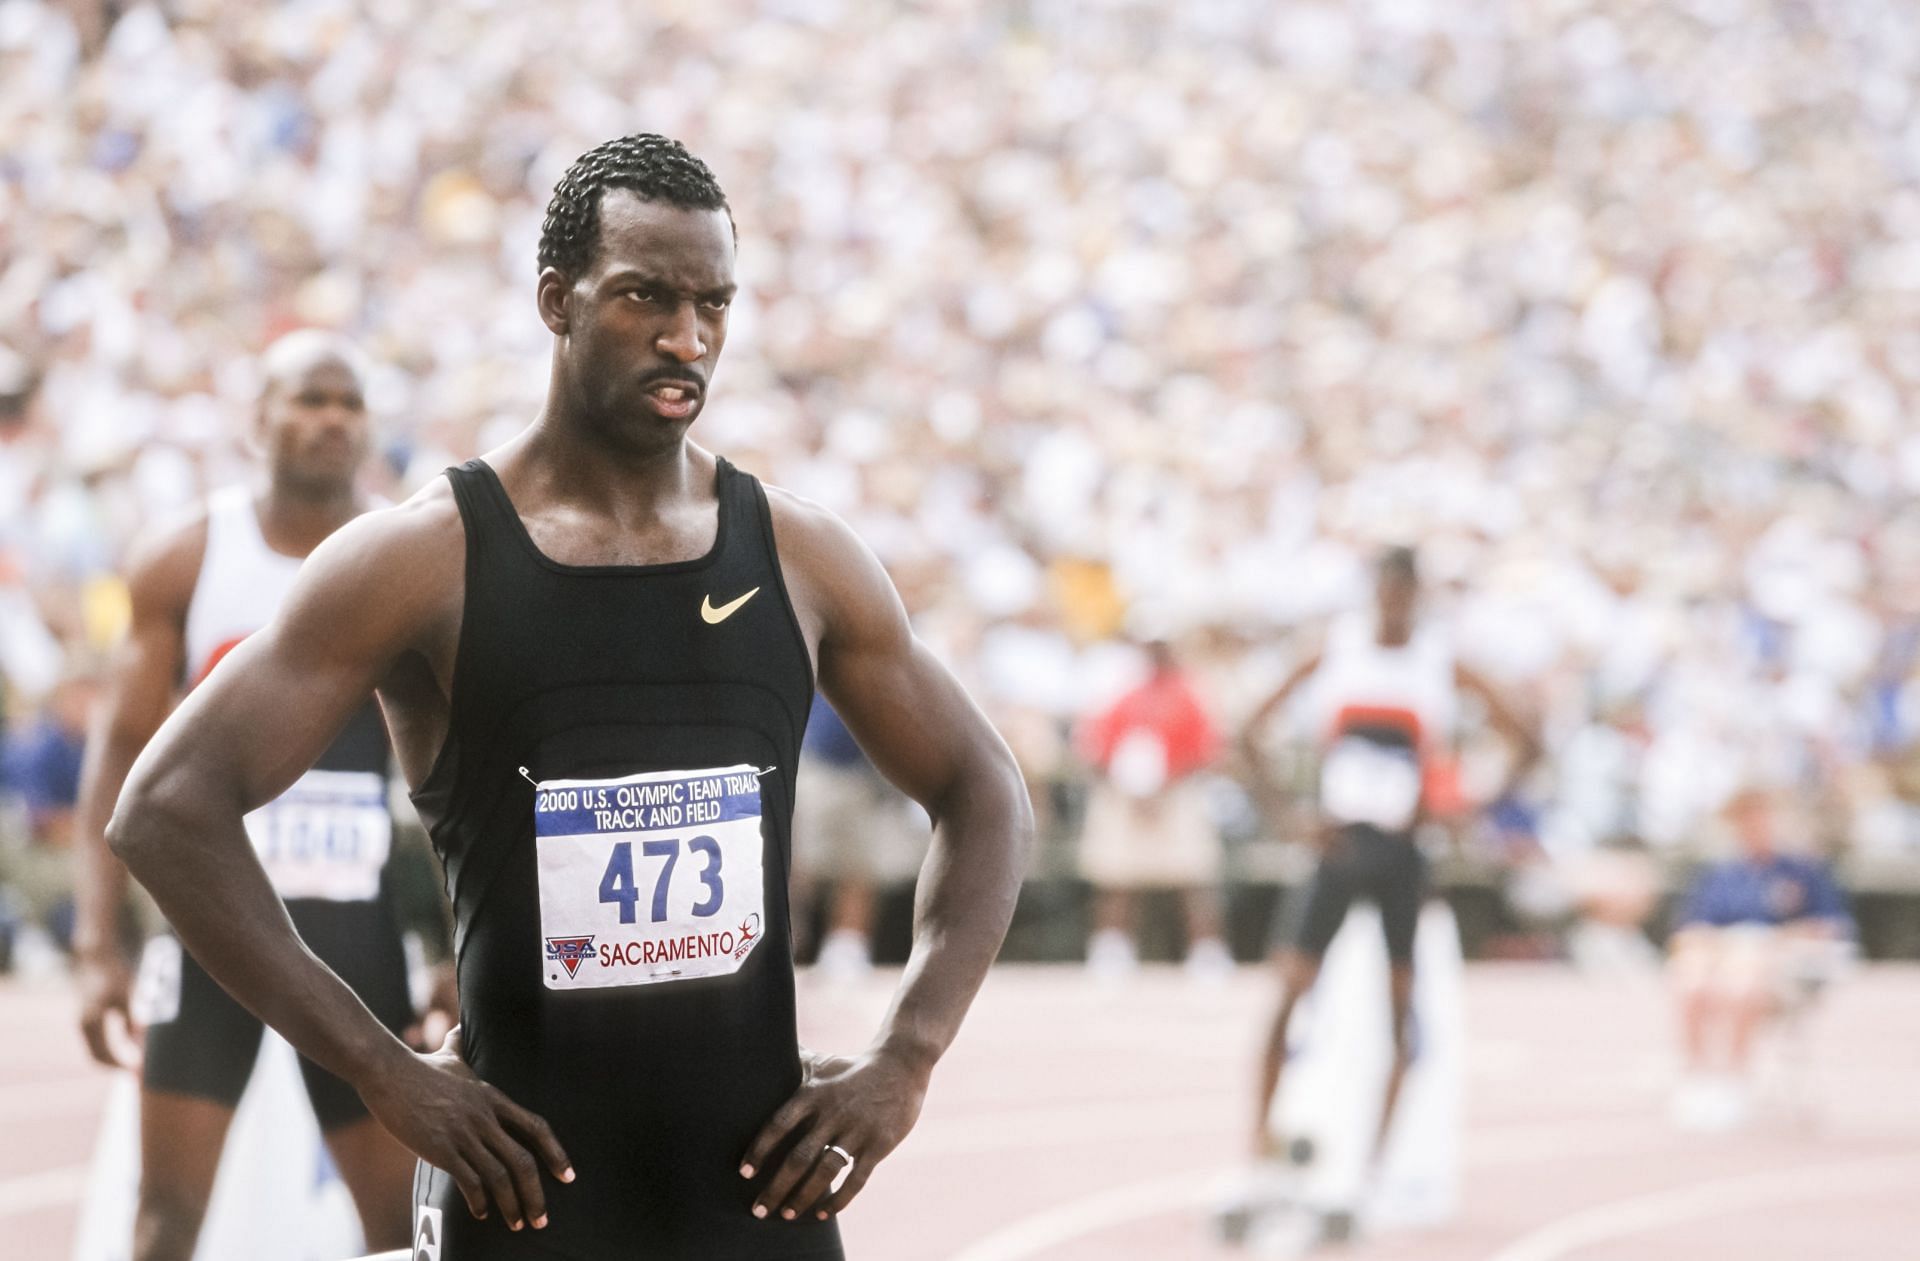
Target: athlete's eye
716, 305
641, 295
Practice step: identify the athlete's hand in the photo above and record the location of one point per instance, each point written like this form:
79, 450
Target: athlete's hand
489, 1145
861, 1104
106, 987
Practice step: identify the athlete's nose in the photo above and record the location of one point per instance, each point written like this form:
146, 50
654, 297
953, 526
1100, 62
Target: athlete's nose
680, 338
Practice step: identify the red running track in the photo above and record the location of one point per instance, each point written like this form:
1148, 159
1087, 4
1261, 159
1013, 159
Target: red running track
1076, 1122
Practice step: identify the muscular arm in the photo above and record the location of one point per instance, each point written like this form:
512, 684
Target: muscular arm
235, 743
141, 683
924, 734
368, 597
1520, 737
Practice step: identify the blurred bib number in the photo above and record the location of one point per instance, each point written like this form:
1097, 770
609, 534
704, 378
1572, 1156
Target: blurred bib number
327, 837
648, 878
1365, 782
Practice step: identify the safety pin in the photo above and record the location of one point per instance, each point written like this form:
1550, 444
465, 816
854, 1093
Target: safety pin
529, 778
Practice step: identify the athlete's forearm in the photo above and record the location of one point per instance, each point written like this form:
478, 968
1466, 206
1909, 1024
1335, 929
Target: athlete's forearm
983, 832
100, 879
199, 866
100, 891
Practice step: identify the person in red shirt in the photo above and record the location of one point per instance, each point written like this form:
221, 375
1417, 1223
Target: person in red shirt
1148, 825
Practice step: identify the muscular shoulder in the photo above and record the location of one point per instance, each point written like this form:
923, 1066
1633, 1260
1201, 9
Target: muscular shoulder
810, 537
418, 542
839, 588
388, 572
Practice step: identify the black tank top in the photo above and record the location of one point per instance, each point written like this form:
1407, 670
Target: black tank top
649, 1016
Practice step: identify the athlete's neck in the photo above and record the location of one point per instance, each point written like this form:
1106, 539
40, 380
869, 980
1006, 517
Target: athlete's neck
296, 517
1393, 636
606, 477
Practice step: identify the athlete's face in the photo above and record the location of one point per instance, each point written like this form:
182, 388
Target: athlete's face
313, 423
642, 327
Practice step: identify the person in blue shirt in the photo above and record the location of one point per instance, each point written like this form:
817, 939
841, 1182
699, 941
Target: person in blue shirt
41, 762
1747, 929
39, 777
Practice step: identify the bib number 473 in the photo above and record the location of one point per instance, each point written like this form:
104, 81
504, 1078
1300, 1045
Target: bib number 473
619, 886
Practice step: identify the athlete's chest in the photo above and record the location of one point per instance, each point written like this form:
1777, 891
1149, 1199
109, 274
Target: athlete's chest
581, 539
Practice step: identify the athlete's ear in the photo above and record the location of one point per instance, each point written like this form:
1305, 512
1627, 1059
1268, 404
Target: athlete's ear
551, 297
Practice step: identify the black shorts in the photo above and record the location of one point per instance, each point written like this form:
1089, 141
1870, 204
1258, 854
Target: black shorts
440, 1216
200, 1042
1362, 862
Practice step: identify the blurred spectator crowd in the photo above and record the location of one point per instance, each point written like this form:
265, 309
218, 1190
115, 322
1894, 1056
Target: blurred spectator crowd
1099, 319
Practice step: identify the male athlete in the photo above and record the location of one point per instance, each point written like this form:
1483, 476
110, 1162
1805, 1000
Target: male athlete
1385, 694
596, 648
323, 842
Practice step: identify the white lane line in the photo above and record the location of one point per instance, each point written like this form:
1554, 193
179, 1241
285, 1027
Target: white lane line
1029, 1236
50, 1188
1716, 1197
1115, 1206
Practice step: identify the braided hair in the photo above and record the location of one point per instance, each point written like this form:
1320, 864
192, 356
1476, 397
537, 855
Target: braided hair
656, 167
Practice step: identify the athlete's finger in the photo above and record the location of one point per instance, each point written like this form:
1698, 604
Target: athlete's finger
532, 1129
112, 1039
524, 1172
94, 1028
134, 1041
470, 1189
838, 1201
791, 1113
813, 1187
839, 1172
794, 1167
499, 1185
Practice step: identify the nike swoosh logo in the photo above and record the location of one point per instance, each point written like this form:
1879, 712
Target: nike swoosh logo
713, 616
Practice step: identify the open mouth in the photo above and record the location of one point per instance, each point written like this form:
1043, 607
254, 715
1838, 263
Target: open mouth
674, 400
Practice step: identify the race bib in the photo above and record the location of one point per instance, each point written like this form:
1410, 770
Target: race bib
327, 837
1365, 782
648, 878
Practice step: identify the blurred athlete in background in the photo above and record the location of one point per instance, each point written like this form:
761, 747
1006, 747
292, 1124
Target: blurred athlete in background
324, 841
596, 647
1384, 699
